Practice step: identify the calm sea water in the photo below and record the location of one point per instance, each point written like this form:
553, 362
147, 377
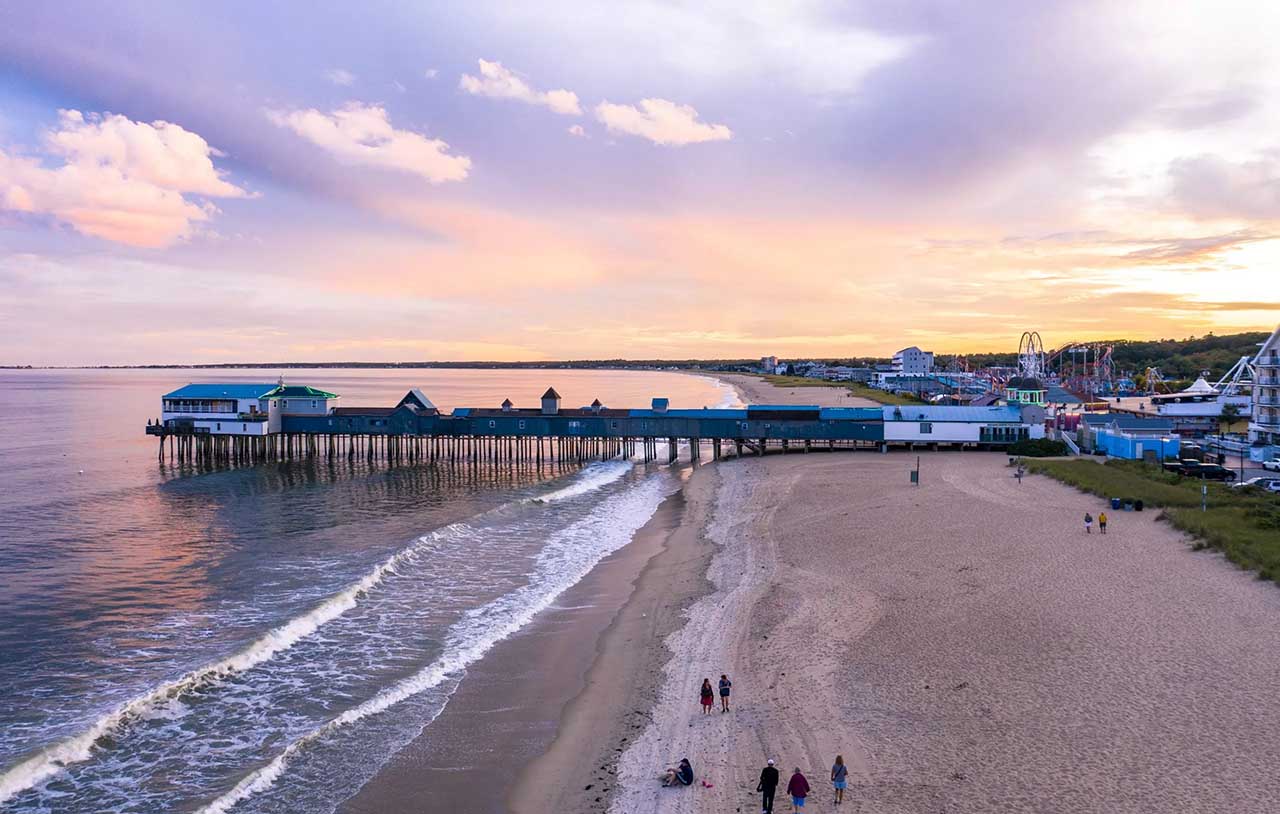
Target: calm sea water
262, 639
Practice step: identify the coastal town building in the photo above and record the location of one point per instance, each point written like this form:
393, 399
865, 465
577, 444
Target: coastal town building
1264, 423
912, 362
962, 426
1120, 435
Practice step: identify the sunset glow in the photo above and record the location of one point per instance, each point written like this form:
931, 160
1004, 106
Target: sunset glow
390, 182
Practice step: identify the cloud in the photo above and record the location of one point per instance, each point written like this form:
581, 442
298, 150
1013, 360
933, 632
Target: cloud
1211, 186
660, 121
340, 77
499, 82
362, 134
576, 130
431, 73
1188, 249
119, 179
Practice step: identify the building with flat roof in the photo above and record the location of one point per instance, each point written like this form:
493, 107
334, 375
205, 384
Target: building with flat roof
1264, 423
912, 362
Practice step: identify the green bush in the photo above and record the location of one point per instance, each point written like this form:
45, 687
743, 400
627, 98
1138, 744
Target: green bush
1038, 448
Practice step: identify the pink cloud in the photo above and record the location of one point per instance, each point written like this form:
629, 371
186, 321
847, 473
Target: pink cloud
120, 180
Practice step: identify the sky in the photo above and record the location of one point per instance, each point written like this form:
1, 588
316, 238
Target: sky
391, 181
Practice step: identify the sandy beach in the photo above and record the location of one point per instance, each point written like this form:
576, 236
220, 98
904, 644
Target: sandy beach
755, 390
963, 644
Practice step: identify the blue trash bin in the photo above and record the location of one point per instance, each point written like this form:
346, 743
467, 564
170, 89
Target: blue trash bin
1115, 503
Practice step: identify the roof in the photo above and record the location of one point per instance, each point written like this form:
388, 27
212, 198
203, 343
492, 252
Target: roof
223, 391
551, 393
942, 413
507, 403
1125, 421
302, 391
904, 350
416, 396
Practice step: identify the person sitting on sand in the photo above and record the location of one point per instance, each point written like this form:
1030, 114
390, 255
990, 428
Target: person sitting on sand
707, 695
1088, 523
839, 778
1102, 522
725, 684
681, 775
798, 788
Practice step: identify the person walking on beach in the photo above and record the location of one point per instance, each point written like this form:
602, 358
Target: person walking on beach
767, 786
1102, 522
725, 684
839, 778
707, 696
1088, 523
798, 788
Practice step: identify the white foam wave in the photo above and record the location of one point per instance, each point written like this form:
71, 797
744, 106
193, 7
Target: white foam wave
591, 478
567, 558
53, 759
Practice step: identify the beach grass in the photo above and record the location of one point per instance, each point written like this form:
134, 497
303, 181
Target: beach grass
855, 388
1244, 526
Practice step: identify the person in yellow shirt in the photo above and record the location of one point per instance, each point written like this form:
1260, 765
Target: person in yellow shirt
1102, 522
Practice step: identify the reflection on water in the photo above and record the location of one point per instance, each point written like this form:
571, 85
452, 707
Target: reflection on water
133, 574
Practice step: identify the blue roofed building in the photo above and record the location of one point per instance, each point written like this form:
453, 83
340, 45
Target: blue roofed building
240, 409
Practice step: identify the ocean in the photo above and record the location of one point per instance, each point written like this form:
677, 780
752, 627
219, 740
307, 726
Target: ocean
264, 639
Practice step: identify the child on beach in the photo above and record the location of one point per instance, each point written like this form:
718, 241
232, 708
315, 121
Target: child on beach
1102, 522
1088, 523
725, 684
798, 788
707, 695
839, 778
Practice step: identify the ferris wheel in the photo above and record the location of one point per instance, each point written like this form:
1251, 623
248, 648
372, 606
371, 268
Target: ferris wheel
1031, 356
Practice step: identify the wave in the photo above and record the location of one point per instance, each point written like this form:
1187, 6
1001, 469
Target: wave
591, 478
567, 558
78, 748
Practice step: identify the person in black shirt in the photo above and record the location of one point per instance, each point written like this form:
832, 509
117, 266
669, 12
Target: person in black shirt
768, 784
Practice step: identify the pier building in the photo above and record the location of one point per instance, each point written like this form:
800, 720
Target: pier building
256, 426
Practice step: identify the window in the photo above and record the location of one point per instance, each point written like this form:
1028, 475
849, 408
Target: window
926, 428
521, 425
492, 424
244, 428
613, 424
315, 403
218, 425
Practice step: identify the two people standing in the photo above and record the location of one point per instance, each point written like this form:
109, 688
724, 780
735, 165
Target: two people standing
706, 695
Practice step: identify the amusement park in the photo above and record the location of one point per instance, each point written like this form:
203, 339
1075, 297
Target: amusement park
1094, 402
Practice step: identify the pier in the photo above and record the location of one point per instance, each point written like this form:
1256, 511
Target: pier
248, 424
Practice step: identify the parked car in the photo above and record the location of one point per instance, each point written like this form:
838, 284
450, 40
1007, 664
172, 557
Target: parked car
1264, 483
1272, 465
1194, 469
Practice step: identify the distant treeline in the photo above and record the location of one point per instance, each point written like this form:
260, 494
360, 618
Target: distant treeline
1176, 358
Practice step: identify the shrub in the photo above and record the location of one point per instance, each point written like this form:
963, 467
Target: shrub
1038, 448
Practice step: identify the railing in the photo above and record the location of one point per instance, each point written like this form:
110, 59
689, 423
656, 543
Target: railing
252, 417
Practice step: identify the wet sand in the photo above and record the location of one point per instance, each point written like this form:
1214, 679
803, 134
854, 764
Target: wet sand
566, 693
